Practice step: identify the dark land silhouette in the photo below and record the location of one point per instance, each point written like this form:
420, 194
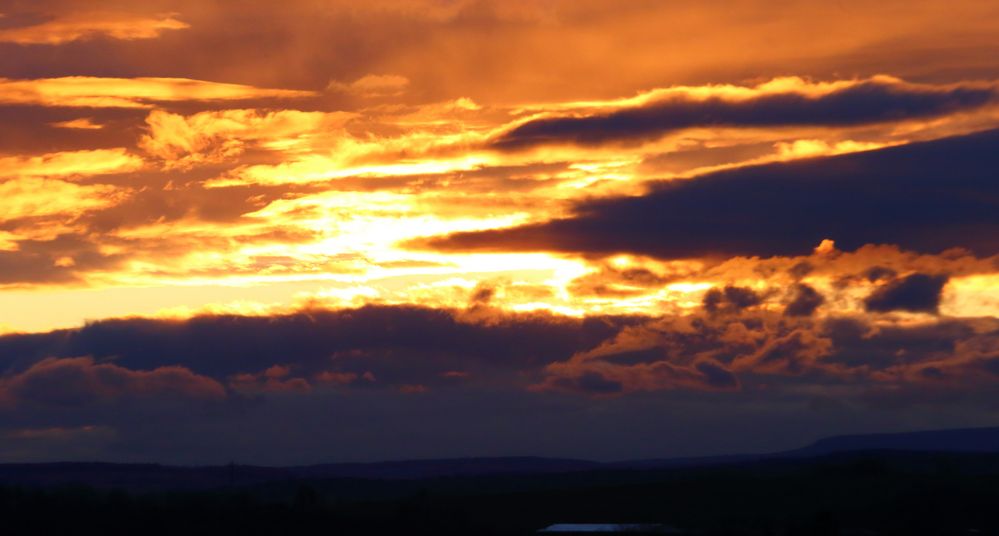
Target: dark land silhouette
943, 482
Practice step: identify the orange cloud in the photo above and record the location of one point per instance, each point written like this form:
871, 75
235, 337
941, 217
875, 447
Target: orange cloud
38, 186
215, 136
79, 26
273, 380
35, 197
332, 197
80, 381
95, 92
83, 123
373, 85
70, 164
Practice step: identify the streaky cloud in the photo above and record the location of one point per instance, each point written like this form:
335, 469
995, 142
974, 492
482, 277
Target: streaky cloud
142, 92
81, 26
872, 100
927, 197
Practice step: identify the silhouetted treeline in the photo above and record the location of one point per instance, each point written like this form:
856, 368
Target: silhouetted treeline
852, 494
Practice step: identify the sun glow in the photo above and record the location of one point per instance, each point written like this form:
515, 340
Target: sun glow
339, 205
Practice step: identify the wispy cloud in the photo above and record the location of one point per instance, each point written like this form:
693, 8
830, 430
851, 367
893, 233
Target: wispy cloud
81, 26
94, 92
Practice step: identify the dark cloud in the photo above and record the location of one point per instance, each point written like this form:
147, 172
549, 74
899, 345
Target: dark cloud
730, 298
481, 295
877, 273
794, 353
925, 197
801, 269
393, 346
806, 300
599, 378
756, 349
859, 345
716, 375
339, 383
595, 383
75, 382
916, 293
869, 101
933, 373
401, 343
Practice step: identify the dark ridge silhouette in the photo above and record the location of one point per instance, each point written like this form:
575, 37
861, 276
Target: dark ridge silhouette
137, 477
960, 440
416, 469
155, 477
858, 493
956, 440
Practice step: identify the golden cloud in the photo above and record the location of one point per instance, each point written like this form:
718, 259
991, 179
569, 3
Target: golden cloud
78, 26
95, 92
35, 197
215, 136
83, 123
70, 164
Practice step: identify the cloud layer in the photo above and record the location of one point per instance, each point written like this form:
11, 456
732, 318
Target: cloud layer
113, 374
926, 197
869, 101
336, 230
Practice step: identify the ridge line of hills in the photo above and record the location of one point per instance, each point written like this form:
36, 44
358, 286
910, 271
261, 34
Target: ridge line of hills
151, 476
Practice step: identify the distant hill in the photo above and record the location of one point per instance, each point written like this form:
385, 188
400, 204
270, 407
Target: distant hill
964, 440
154, 477
136, 477
958, 440
865, 493
416, 469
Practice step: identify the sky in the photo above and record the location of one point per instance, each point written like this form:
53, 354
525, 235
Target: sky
317, 231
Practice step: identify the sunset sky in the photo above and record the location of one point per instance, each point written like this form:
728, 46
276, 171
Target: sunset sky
307, 231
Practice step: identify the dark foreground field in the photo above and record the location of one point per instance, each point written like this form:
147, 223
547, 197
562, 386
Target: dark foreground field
870, 492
